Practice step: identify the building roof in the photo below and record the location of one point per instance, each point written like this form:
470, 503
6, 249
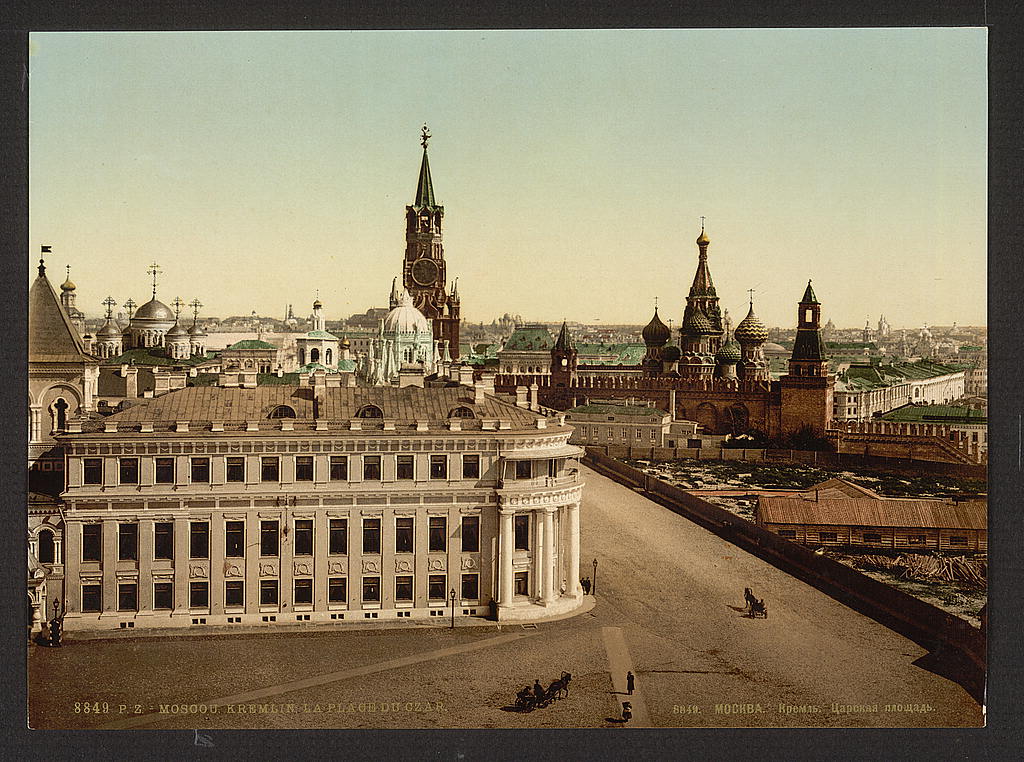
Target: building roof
51, 336
936, 414
250, 344
529, 337
425, 186
320, 335
809, 297
871, 512
838, 488
237, 405
635, 411
142, 356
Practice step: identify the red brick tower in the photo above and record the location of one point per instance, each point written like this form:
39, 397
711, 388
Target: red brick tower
807, 388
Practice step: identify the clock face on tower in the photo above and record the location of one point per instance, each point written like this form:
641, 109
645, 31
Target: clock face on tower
424, 272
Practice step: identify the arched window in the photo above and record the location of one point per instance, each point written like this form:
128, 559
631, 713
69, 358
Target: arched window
302, 357
60, 414
47, 552
369, 411
460, 412
327, 357
314, 355
282, 411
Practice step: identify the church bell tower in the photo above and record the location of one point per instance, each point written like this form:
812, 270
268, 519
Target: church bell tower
423, 271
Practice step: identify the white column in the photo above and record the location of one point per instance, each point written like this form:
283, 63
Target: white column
36, 412
548, 554
537, 556
571, 527
505, 542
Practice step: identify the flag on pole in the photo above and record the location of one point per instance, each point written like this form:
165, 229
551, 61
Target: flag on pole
46, 249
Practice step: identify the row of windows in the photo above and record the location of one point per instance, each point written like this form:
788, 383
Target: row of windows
270, 469
302, 592
914, 539
595, 431
302, 537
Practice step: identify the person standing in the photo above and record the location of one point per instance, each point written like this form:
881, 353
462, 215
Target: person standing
627, 711
585, 584
630, 680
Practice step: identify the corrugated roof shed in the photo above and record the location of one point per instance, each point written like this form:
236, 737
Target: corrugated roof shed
871, 512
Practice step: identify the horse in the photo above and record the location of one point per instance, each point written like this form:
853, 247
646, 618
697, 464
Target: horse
560, 686
749, 597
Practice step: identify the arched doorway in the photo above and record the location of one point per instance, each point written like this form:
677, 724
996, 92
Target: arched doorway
47, 548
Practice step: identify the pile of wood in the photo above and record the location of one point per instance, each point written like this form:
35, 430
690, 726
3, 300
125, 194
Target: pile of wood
972, 572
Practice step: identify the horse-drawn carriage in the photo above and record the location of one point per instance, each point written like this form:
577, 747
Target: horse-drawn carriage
755, 606
539, 697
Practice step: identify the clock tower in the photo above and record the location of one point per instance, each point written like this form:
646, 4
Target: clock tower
423, 272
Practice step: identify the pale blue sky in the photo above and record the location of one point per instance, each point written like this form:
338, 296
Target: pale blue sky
574, 167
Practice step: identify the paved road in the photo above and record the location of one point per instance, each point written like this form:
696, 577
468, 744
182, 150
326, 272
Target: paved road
669, 596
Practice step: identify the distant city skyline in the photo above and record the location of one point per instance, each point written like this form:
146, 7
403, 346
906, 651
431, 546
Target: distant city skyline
574, 166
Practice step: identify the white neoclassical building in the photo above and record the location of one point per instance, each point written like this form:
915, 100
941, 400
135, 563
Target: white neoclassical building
320, 503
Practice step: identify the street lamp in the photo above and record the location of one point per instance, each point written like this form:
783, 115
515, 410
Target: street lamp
593, 585
451, 597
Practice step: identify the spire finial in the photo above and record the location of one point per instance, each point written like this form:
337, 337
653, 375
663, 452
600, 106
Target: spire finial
424, 136
42, 267
178, 304
130, 306
702, 223
751, 292
109, 303
195, 304
67, 269
154, 270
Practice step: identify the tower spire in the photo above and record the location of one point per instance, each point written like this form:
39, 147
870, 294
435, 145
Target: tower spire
425, 187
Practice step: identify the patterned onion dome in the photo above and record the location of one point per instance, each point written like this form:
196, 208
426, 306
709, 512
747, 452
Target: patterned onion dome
729, 353
697, 324
656, 333
671, 353
177, 332
751, 330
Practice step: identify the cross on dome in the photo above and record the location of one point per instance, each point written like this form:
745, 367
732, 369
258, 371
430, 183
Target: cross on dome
109, 303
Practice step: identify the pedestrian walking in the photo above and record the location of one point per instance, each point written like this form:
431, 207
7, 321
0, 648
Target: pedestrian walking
585, 583
630, 682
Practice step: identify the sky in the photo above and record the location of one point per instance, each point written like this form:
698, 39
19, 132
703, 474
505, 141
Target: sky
258, 168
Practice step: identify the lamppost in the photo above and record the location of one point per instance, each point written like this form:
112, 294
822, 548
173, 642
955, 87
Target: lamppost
451, 597
593, 585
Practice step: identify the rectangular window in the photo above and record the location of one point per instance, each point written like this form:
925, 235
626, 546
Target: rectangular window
128, 596
234, 593
827, 536
200, 471
199, 539
403, 535
234, 539
127, 542
404, 468
436, 587
165, 470
524, 469
128, 470
470, 466
403, 588
371, 468
93, 471
163, 595
553, 467
371, 535
270, 469
92, 598
639, 433
371, 589
303, 468
521, 583
92, 542
339, 468
521, 527
199, 595
470, 534
268, 592
872, 537
437, 534
163, 540
303, 591
787, 533
236, 470
957, 540
303, 537
438, 466
337, 542
270, 544
470, 587
337, 590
